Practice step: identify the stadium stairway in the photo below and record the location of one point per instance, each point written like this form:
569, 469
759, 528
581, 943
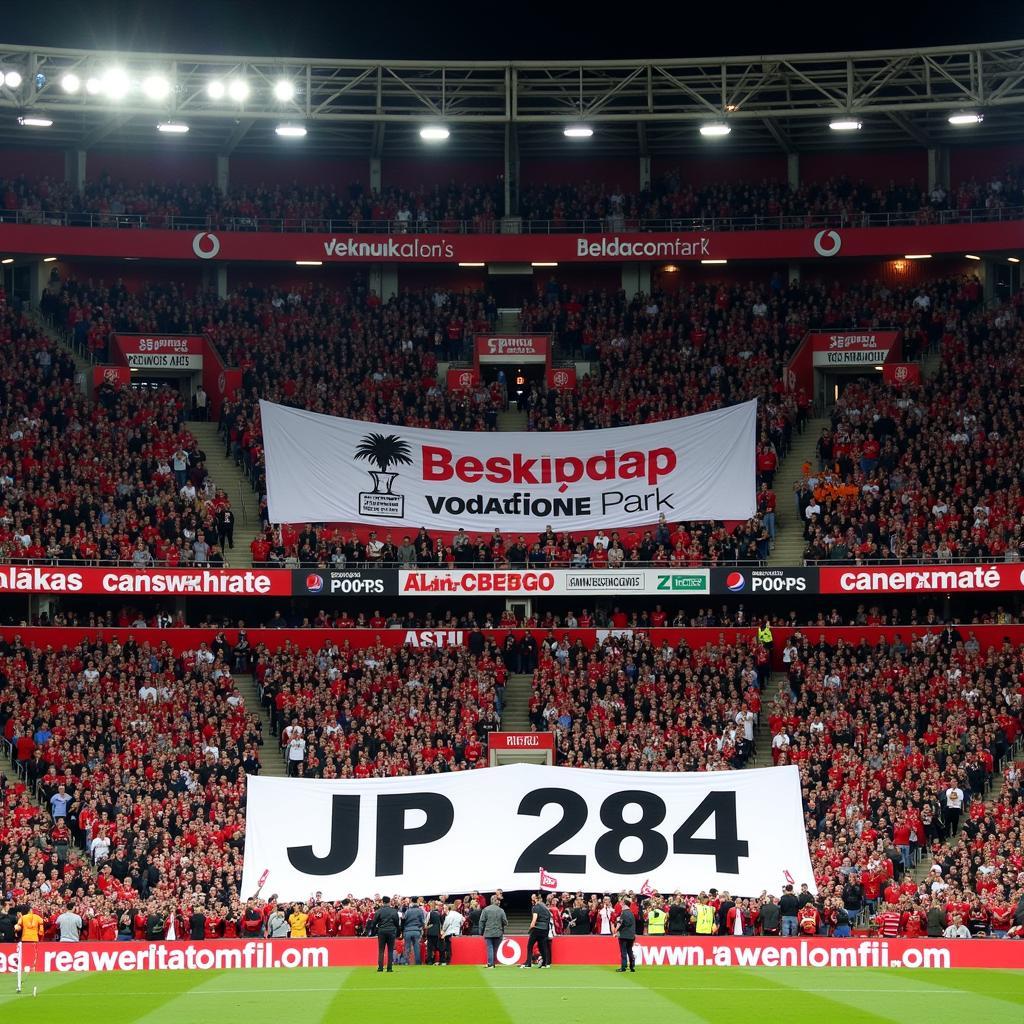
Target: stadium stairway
512, 419
930, 364
789, 528
61, 337
515, 717
271, 756
233, 482
508, 321
518, 922
778, 683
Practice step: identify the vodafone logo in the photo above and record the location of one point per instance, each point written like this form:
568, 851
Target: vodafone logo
735, 582
205, 250
823, 249
509, 952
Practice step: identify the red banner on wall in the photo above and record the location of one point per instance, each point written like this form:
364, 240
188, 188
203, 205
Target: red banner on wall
853, 348
53, 579
901, 374
462, 378
650, 951
161, 352
562, 378
922, 579
119, 376
512, 348
521, 741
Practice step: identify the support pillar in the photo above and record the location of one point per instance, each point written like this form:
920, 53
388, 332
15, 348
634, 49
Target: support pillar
511, 169
645, 174
376, 176
383, 279
793, 273
938, 167
74, 168
636, 278
39, 278
222, 280
223, 172
793, 170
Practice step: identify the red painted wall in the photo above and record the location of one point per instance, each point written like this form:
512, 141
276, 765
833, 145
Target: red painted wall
166, 162
966, 162
433, 170
624, 172
136, 274
283, 170
875, 167
721, 168
33, 163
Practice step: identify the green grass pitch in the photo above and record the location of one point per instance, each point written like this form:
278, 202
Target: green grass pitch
562, 995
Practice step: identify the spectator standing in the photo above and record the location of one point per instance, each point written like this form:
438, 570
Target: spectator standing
450, 928
69, 926
540, 923
433, 930
413, 921
788, 908
625, 932
493, 923
385, 924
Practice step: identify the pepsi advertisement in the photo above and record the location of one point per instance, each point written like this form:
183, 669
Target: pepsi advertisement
345, 582
765, 581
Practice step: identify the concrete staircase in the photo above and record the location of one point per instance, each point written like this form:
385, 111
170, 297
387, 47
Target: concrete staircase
271, 756
778, 683
518, 922
516, 714
930, 365
62, 338
513, 419
789, 529
507, 321
232, 480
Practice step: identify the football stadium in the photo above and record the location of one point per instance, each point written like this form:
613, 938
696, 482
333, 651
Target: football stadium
549, 530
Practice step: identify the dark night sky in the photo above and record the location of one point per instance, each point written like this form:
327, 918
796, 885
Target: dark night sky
485, 30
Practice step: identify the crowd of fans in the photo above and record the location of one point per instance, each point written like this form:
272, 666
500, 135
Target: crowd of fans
460, 207
927, 472
117, 478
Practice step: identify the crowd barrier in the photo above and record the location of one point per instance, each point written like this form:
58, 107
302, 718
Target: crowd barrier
237, 954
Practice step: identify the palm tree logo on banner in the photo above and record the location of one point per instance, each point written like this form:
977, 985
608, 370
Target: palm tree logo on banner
383, 451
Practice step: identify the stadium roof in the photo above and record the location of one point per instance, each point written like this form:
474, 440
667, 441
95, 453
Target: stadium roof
356, 108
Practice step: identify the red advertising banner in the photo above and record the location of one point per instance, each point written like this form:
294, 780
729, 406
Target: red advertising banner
313, 640
853, 348
279, 247
924, 579
562, 378
650, 951
521, 741
52, 579
161, 352
512, 348
462, 378
901, 374
119, 376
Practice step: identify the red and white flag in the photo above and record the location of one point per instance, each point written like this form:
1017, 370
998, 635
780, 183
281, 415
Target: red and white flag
263, 879
788, 877
645, 889
547, 881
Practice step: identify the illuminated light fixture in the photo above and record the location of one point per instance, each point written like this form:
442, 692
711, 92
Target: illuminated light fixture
284, 91
670, 268
70, 82
134, 369
970, 256
715, 130
12, 79
966, 118
172, 127
845, 124
238, 90
731, 108
156, 87
918, 256
577, 131
309, 263
93, 86
1012, 259
49, 259
215, 89
879, 369
713, 262
434, 133
543, 264
35, 122
291, 131
10, 259
472, 264
115, 83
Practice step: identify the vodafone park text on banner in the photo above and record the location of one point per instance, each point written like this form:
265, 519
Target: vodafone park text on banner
498, 827
328, 469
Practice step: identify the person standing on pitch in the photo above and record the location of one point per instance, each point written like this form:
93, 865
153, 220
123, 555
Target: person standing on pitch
540, 923
625, 932
385, 925
451, 926
493, 923
413, 921
433, 933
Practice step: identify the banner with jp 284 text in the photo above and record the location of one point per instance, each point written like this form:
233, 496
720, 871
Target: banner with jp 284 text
327, 469
490, 828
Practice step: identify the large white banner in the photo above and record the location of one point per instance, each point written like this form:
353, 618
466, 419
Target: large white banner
497, 827
326, 469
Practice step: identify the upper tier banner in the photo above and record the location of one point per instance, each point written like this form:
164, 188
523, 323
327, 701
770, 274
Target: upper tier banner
327, 469
691, 244
490, 828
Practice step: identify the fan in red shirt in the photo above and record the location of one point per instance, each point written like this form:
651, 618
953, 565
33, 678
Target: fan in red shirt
319, 921
889, 921
347, 921
808, 920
